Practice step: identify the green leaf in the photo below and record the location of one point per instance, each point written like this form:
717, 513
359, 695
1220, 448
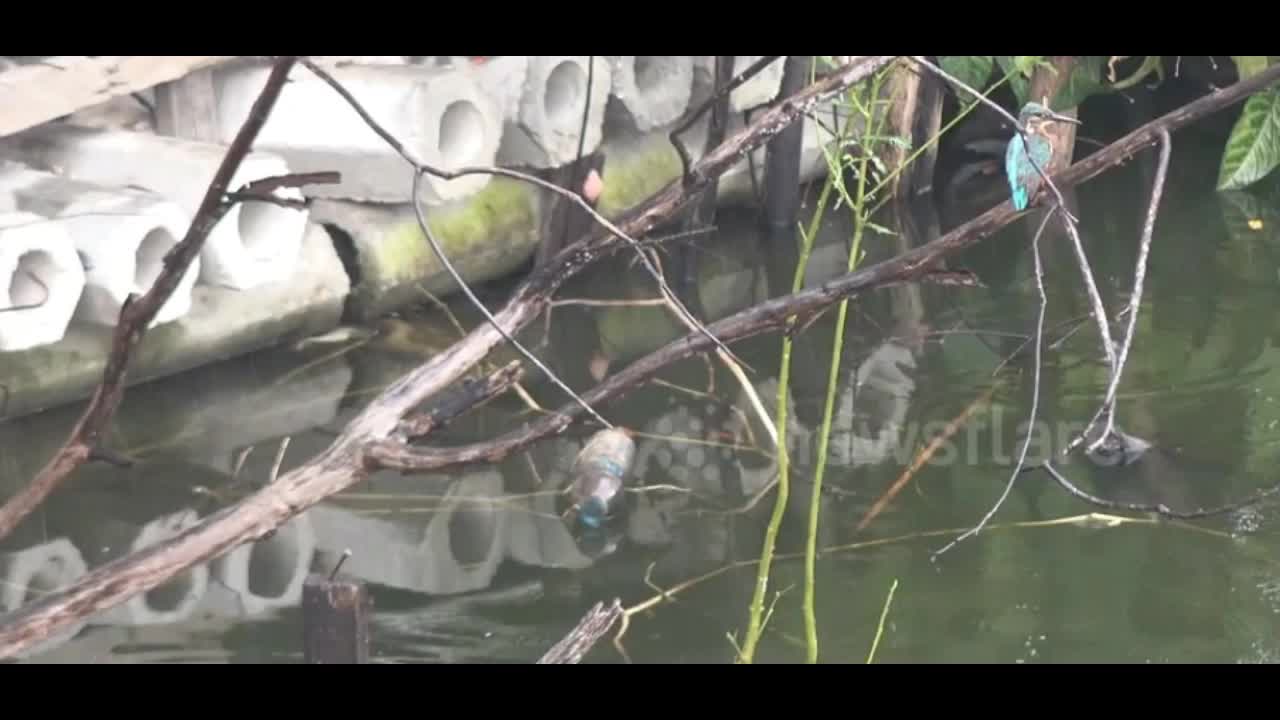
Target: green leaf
1249, 65
1253, 149
1085, 80
972, 70
1019, 83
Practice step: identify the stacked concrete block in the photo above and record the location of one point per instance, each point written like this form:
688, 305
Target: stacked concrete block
255, 243
41, 281
547, 127
121, 234
443, 118
651, 91
504, 80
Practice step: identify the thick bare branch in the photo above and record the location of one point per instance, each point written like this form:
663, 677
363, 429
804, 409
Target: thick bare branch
343, 464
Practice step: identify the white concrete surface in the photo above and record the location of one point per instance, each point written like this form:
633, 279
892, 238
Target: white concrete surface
759, 90
254, 244
442, 117
121, 234
41, 281
545, 130
504, 80
652, 90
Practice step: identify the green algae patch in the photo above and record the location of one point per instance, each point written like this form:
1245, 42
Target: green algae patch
484, 236
635, 172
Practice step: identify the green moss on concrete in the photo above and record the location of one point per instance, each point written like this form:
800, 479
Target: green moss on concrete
504, 209
634, 173
485, 236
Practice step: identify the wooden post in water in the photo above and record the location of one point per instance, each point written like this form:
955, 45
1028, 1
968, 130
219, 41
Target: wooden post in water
782, 159
335, 621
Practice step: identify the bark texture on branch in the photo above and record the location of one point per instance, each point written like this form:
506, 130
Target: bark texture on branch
584, 636
138, 313
343, 463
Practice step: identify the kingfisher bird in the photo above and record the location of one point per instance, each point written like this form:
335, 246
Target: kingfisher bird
1024, 178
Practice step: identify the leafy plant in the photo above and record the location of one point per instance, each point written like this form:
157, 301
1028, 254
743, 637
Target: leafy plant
1253, 150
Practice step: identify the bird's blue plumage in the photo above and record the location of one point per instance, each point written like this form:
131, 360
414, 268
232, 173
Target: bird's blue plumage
1023, 176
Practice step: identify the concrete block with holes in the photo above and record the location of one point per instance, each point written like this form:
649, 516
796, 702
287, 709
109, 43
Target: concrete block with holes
254, 244
649, 91
443, 118
41, 279
547, 126
121, 235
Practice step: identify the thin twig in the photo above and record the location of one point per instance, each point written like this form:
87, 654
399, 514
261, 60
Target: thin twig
1135, 298
1035, 397
462, 285
742, 77
1158, 508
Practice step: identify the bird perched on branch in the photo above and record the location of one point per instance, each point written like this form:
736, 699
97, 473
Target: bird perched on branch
1024, 177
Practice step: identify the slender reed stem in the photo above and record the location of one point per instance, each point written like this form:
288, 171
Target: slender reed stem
858, 204
754, 627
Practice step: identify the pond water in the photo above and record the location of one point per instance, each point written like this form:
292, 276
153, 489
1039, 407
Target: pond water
475, 565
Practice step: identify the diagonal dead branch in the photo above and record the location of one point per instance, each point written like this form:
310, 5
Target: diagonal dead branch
343, 463
137, 314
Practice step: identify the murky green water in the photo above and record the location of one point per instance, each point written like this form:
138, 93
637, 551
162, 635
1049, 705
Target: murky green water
476, 566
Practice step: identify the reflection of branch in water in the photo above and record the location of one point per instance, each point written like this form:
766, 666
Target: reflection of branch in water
1035, 389
1158, 508
923, 457
1135, 299
1087, 521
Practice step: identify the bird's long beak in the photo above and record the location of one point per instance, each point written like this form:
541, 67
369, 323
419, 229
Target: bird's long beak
1062, 118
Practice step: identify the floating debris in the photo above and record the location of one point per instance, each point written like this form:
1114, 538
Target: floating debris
598, 475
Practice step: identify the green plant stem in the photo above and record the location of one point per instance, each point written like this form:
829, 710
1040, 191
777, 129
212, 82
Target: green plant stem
858, 203
884, 613
754, 627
